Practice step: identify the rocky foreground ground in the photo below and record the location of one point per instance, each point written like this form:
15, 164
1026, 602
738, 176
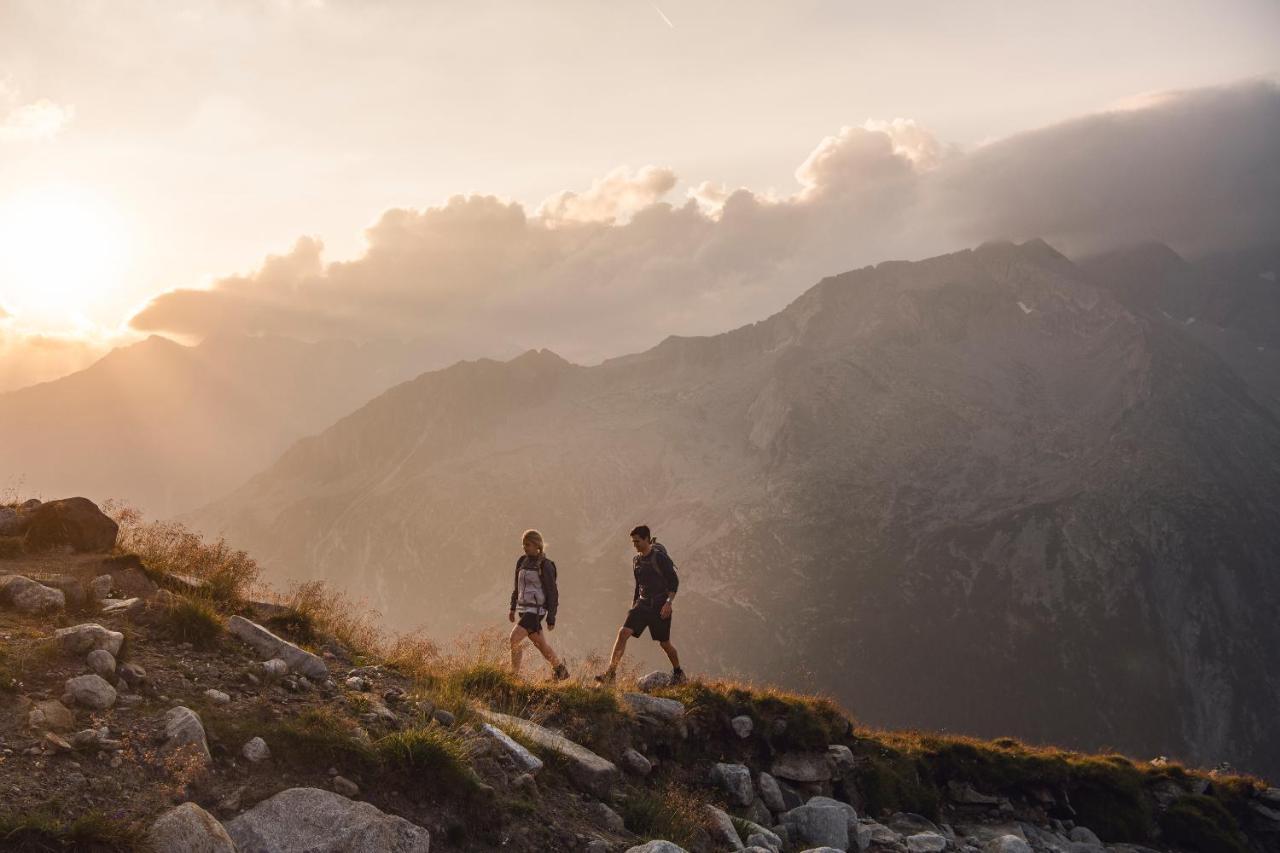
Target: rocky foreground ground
144, 707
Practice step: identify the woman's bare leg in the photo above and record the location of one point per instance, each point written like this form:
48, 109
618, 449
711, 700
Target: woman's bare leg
540, 643
517, 651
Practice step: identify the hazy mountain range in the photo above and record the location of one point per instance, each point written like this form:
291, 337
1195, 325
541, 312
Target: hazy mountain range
994, 491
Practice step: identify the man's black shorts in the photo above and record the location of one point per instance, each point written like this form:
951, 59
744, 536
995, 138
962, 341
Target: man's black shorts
643, 616
531, 622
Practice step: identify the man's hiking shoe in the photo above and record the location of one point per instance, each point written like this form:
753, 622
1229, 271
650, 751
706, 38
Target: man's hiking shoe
678, 676
560, 673
606, 677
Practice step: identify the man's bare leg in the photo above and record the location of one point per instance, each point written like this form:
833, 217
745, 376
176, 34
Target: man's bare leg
517, 651
672, 654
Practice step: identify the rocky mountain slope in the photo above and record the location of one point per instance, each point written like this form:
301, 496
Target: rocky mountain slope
974, 493
168, 427
159, 709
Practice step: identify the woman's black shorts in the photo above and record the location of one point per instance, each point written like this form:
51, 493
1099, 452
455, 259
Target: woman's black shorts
531, 622
642, 616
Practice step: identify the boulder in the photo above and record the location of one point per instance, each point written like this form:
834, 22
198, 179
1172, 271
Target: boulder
668, 710
189, 829
596, 775
51, 715
525, 760
840, 760
802, 767
734, 780
908, 823
91, 691
635, 763
132, 674
311, 820
654, 681
103, 663
72, 589
82, 639
723, 832
1006, 844
742, 726
1085, 835
128, 577
183, 730
822, 822
926, 842
30, 597
100, 587
217, 697
771, 793
270, 646
657, 847
73, 522
256, 750
275, 668
607, 817
345, 786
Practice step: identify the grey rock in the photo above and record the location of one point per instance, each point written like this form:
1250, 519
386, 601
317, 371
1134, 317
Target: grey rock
1085, 835
91, 691
607, 817
270, 646
654, 681
654, 706
840, 759
963, 792
52, 715
589, 771
759, 836
132, 674
100, 587
1006, 844
345, 786
723, 832
275, 668
1271, 796
907, 823
30, 597
256, 750
217, 697
742, 726
102, 662
523, 758
189, 829
734, 780
82, 639
443, 717
926, 842
73, 590
358, 683
312, 820
821, 821
658, 846
802, 767
184, 730
771, 793
635, 763
130, 607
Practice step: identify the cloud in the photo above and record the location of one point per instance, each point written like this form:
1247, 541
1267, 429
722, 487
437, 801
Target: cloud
615, 267
35, 122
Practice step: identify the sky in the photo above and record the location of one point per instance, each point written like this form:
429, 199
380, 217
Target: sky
508, 174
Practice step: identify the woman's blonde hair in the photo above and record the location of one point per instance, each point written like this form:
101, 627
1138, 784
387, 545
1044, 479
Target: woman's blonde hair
535, 537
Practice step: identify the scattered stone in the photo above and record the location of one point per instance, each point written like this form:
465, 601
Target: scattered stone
103, 663
182, 728
1006, 844
91, 691
319, 821
270, 646
52, 715
524, 759
907, 823
358, 683
443, 717
607, 818
189, 829
132, 674
29, 597
589, 771
275, 668
56, 742
1085, 835
723, 832
217, 697
74, 522
802, 767
345, 786
86, 739
771, 793
100, 587
659, 846
635, 763
926, 842
73, 590
734, 780
742, 726
841, 761
654, 681
256, 750
821, 821
128, 607
82, 639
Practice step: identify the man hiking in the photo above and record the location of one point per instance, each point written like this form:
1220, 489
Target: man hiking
656, 584
534, 596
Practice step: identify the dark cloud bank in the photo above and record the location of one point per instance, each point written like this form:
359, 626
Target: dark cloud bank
617, 267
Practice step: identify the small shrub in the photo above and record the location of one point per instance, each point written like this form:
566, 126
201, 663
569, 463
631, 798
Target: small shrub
1202, 823
673, 813
429, 753
195, 621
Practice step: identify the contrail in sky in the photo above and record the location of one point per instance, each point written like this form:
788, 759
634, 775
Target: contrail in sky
662, 15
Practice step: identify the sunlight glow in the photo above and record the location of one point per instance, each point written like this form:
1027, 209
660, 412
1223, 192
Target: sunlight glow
62, 249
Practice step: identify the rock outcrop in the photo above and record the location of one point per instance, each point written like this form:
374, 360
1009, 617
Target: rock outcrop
312, 820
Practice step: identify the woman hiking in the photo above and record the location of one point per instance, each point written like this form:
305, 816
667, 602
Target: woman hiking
534, 597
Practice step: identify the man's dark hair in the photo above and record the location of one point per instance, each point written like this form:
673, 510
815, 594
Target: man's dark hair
641, 530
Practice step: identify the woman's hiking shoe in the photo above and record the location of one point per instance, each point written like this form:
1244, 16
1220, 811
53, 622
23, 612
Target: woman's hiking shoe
678, 676
606, 677
560, 673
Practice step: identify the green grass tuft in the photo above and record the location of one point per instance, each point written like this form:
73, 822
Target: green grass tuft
673, 813
194, 620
